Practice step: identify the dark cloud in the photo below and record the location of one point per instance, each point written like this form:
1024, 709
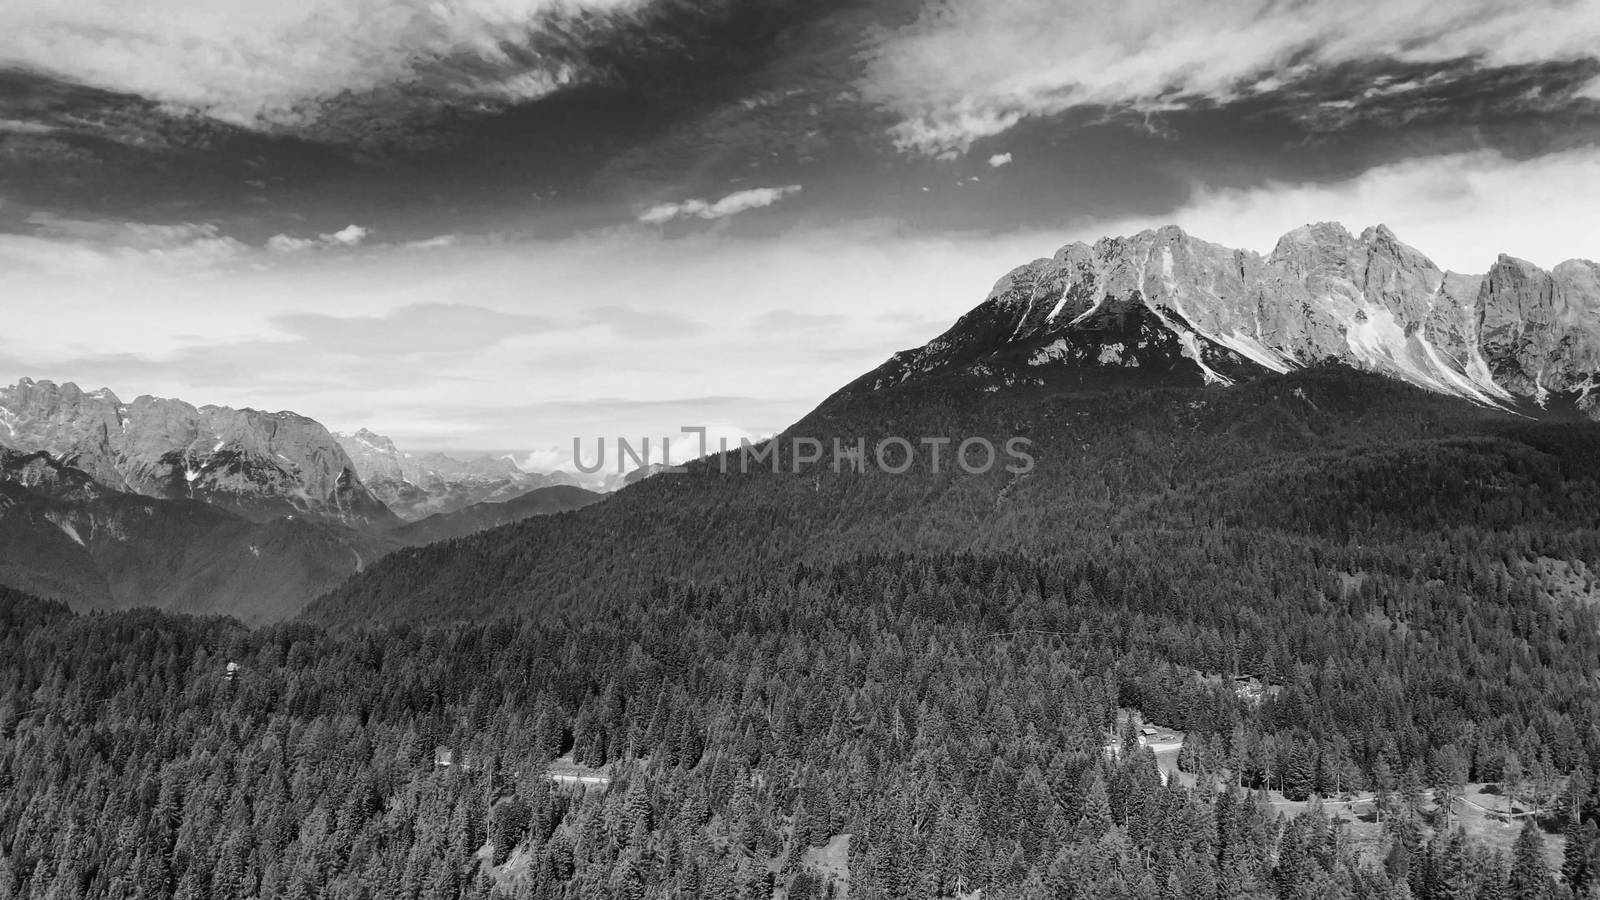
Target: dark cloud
105, 153
583, 119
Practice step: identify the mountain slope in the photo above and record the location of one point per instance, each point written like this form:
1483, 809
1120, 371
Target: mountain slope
543, 501
67, 537
1110, 465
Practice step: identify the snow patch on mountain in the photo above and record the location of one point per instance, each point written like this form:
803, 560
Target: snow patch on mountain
1252, 349
66, 527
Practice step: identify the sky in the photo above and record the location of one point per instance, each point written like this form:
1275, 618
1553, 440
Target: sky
499, 225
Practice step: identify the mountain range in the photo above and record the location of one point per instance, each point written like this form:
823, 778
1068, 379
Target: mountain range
108, 504
1145, 372
1170, 390
260, 465
415, 486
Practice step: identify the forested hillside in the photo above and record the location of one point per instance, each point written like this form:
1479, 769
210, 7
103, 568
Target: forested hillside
1310, 472
893, 726
544, 501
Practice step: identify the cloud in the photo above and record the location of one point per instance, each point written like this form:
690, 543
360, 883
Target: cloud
48, 242
732, 204
16, 126
348, 236
495, 344
969, 69
999, 159
434, 243
418, 328
242, 60
637, 324
789, 320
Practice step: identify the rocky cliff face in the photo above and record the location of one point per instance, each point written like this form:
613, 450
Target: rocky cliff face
262, 465
376, 458
416, 486
1164, 304
44, 476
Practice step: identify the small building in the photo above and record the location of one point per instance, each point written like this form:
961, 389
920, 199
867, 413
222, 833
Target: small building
231, 672
444, 757
1149, 731
1249, 689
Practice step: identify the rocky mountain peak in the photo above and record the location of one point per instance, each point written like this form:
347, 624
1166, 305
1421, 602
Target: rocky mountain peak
376, 458
65, 422
1162, 303
377, 440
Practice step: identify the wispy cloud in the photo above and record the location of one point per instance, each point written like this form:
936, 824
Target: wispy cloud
733, 204
418, 328
17, 126
970, 69
789, 320
640, 324
348, 236
242, 60
49, 242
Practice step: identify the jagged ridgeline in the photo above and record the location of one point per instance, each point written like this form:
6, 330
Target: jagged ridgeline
261, 465
1163, 303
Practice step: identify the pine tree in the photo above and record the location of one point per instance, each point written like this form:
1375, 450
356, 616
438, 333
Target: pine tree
1577, 854
1452, 871
1300, 776
1096, 820
1530, 878
1129, 738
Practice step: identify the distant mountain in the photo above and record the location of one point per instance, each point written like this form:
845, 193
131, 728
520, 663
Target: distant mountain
1164, 304
106, 504
260, 465
416, 486
1181, 401
65, 536
483, 516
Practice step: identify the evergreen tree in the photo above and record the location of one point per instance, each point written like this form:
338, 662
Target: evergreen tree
1530, 877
